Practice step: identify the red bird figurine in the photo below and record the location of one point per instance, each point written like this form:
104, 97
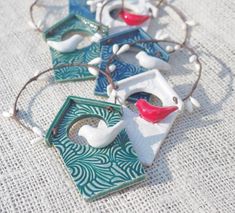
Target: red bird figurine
132, 19
153, 114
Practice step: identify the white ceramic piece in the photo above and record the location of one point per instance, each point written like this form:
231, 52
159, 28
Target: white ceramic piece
189, 106
96, 38
169, 48
192, 58
123, 49
197, 66
195, 102
37, 131
66, 46
117, 25
145, 136
95, 61
151, 62
6, 114
101, 136
115, 48
36, 140
177, 47
92, 70
112, 67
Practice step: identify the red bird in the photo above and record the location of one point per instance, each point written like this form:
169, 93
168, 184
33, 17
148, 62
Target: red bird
153, 114
132, 19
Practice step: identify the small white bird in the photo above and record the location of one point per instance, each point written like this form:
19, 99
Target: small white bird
150, 62
66, 46
101, 136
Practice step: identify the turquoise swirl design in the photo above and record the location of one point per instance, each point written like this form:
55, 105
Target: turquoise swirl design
73, 23
95, 172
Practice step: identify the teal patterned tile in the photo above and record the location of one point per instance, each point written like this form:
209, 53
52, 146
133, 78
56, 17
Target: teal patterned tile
96, 172
74, 23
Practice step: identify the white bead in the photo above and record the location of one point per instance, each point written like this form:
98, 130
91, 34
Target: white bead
115, 48
6, 114
112, 67
169, 48
192, 58
89, 2
158, 34
93, 71
189, 106
164, 36
37, 131
36, 73
184, 26
195, 102
177, 47
11, 111
190, 23
36, 140
32, 25
123, 49
197, 66
96, 37
95, 61
40, 23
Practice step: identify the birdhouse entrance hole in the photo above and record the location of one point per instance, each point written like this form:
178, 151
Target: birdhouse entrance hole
154, 100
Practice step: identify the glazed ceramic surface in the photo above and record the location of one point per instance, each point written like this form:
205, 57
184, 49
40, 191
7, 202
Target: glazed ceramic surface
79, 24
80, 7
123, 69
145, 136
100, 136
95, 172
115, 24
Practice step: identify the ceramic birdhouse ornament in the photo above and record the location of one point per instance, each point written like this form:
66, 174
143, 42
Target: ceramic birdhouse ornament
101, 170
117, 42
148, 127
75, 39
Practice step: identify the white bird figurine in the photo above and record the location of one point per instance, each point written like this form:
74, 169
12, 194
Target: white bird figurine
101, 136
66, 46
150, 62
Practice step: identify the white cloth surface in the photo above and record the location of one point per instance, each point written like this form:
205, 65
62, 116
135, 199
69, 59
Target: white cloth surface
195, 169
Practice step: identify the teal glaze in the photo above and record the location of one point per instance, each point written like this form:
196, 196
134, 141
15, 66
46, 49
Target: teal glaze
96, 172
74, 23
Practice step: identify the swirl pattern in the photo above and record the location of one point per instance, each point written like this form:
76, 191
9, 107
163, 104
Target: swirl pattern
95, 172
80, 7
73, 23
